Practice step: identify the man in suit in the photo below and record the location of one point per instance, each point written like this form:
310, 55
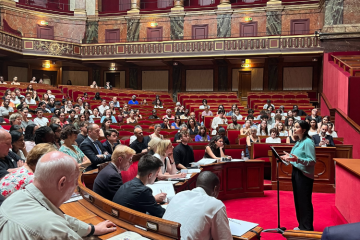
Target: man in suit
111, 142
93, 148
83, 132
322, 139
109, 180
342, 232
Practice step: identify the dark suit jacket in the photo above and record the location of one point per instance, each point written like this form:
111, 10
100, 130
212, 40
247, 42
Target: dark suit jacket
88, 148
108, 147
107, 182
342, 232
317, 140
80, 138
135, 195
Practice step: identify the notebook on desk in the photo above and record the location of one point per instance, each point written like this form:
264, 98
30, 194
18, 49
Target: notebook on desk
128, 236
239, 227
163, 187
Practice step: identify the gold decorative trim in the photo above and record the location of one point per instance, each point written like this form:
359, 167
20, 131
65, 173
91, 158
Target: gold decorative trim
32, 45
272, 40
168, 45
216, 44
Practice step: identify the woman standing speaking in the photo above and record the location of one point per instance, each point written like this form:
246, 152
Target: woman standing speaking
303, 159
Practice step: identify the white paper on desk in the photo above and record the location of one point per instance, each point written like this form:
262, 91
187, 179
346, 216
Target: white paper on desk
128, 235
204, 161
166, 187
167, 181
239, 227
237, 160
193, 171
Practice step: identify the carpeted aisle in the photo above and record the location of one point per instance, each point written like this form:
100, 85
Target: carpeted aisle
264, 211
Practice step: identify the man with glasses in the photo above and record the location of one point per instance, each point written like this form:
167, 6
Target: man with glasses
29, 100
141, 143
109, 179
25, 121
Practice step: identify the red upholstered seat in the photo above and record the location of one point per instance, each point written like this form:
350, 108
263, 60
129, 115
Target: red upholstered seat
199, 154
277, 96
303, 101
145, 126
6, 120
6, 127
283, 140
260, 150
125, 142
145, 121
301, 96
125, 133
289, 96
233, 136
263, 140
338, 142
115, 126
97, 121
130, 173
234, 153
126, 126
242, 141
102, 141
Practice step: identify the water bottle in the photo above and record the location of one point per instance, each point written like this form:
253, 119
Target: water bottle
242, 155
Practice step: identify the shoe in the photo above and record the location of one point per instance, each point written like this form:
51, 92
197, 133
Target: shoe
297, 229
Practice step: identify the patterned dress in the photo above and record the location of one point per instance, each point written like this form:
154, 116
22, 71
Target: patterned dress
79, 155
15, 181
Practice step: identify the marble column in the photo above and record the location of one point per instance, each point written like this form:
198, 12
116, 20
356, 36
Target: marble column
133, 29
135, 7
273, 23
177, 27
334, 12
224, 25
224, 5
91, 32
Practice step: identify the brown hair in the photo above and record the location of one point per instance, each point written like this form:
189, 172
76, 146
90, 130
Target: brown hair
36, 153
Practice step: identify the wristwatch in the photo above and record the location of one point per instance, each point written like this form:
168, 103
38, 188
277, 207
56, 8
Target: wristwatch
92, 230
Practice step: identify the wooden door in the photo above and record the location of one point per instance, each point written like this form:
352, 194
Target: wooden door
154, 34
244, 83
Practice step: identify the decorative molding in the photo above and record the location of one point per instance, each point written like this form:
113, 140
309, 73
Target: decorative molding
54, 48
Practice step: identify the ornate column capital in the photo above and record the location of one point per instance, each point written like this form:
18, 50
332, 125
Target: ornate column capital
135, 7
178, 6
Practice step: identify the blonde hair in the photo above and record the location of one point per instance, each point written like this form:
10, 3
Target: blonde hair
36, 153
162, 146
121, 151
154, 142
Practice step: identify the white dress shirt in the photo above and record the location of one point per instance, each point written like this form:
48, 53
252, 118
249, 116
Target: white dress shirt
31, 102
201, 216
102, 109
41, 121
273, 140
215, 122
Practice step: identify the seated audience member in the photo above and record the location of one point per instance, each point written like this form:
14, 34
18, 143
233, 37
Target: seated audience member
77, 110
325, 120
322, 139
295, 115
68, 107
141, 143
215, 149
350, 231
220, 119
15, 119
131, 118
18, 144
109, 180
108, 86
33, 80
183, 127
40, 120
55, 180
234, 125
29, 136
204, 104
192, 126
278, 111
63, 120
51, 105
68, 82
252, 138
277, 119
112, 141
9, 161
313, 128
25, 121
97, 96
185, 115
291, 139
233, 107
281, 130
251, 118
206, 112
44, 135
268, 104
208, 214
68, 136
42, 105
6, 108
153, 116
271, 111
55, 120
137, 115
93, 149
289, 125
94, 85
152, 145
156, 134
192, 115
314, 115
237, 114
330, 130
24, 175
86, 107
165, 124
133, 100
300, 112
83, 132
35, 96
107, 114
183, 153
105, 125
103, 107
164, 152
158, 104
222, 134
15, 82
245, 130
179, 110
177, 123
2, 80
29, 100
202, 136
168, 115
49, 93
136, 195
274, 137
144, 102
57, 130
96, 113
17, 128
263, 129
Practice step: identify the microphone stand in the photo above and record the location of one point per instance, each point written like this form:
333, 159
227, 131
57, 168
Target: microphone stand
279, 229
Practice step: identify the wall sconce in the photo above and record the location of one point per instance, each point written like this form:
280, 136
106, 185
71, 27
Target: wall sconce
246, 65
43, 23
46, 65
248, 19
153, 24
112, 68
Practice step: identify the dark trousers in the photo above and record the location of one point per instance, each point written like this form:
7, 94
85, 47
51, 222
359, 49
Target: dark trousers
302, 188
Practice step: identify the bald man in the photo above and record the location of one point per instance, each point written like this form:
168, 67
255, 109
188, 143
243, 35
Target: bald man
8, 163
202, 216
33, 213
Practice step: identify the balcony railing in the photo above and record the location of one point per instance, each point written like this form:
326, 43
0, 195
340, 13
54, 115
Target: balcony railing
47, 5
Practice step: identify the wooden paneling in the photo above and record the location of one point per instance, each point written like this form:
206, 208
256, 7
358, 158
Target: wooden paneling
45, 32
112, 35
299, 26
248, 29
199, 31
155, 34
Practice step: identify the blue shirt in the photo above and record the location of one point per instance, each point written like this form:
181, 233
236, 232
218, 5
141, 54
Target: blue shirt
305, 151
113, 119
132, 102
174, 125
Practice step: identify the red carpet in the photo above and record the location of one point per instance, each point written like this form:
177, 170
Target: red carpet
264, 211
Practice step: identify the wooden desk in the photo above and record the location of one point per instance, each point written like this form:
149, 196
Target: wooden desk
237, 179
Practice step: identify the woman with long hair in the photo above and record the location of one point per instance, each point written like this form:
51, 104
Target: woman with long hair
138, 116
85, 97
69, 106
112, 108
94, 85
96, 113
18, 144
158, 104
30, 88
215, 149
80, 102
289, 125
202, 136
246, 130
35, 96
281, 129
105, 125
79, 119
131, 118
63, 120
263, 130
252, 138
86, 107
313, 128
204, 104
303, 159
164, 152
274, 136
88, 116
193, 128
45, 98
108, 114
156, 134
177, 123
97, 96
